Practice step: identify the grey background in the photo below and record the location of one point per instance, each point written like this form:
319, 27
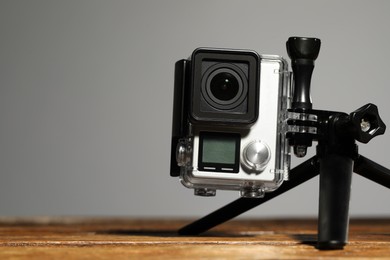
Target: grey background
86, 97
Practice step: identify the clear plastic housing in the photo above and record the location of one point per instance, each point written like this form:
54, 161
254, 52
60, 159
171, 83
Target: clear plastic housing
264, 144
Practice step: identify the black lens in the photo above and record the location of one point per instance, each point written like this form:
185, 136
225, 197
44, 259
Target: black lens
224, 86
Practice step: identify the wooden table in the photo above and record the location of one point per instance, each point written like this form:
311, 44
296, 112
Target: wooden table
117, 238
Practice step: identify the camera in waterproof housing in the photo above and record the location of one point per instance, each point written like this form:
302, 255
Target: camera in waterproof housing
229, 122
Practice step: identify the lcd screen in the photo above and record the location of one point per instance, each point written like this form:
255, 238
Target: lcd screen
219, 151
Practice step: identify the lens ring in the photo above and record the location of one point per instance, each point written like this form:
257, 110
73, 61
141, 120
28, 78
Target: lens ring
231, 75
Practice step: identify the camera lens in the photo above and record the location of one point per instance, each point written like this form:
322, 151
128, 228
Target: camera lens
224, 86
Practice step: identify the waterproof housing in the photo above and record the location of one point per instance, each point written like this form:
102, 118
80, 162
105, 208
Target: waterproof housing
229, 122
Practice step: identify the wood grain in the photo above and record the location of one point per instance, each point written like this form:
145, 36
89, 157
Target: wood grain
121, 238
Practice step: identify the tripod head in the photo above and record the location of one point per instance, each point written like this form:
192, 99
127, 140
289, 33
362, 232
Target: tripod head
361, 125
336, 134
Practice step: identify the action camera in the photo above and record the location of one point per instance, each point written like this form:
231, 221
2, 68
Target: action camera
229, 122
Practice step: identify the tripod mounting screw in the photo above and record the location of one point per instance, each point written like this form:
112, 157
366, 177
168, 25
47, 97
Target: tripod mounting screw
366, 123
303, 52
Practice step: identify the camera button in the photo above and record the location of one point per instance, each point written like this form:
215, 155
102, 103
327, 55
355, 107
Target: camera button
256, 155
182, 153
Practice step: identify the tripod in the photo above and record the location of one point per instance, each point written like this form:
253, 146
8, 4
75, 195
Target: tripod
337, 154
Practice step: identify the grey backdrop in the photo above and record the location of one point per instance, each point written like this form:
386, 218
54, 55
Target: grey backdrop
86, 97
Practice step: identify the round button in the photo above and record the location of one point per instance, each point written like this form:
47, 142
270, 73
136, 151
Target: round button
256, 155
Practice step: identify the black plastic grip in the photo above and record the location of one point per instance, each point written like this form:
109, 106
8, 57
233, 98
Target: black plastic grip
335, 187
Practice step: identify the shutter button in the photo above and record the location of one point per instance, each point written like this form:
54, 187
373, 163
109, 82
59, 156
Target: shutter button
256, 155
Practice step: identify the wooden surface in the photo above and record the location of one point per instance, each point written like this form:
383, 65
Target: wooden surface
65, 238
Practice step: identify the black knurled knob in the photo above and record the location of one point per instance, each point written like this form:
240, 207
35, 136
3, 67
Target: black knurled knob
367, 123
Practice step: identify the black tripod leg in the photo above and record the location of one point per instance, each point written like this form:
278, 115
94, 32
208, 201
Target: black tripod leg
335, 189
372, 171
298, 175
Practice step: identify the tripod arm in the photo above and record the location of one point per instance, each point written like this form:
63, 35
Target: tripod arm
372, 171
298, 175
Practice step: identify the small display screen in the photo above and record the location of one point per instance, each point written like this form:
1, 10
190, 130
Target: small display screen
219, 151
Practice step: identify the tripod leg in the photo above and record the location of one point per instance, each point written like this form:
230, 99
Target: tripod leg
298, 175
372, 171
335, 187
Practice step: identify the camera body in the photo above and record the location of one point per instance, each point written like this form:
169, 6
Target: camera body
229, 122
